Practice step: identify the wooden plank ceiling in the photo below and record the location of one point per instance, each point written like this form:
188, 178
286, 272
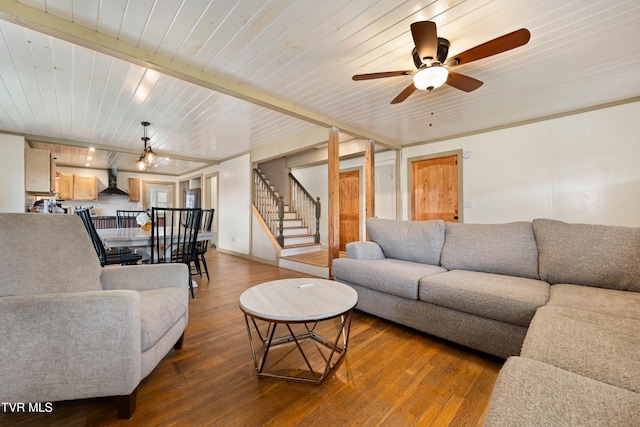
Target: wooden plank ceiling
217, 79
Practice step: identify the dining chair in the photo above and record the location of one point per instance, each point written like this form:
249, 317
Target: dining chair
127, 219
174, 232
106, 258
203, 245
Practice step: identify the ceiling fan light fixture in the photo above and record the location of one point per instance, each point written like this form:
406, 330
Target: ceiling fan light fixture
431, 77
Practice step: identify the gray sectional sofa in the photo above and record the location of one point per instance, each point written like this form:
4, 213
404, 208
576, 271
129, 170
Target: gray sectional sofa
559, 301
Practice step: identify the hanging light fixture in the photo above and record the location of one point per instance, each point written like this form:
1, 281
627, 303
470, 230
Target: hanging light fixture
148, 156
431, 77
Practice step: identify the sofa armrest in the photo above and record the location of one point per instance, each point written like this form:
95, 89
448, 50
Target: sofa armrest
145, 277
69, 346
364, 250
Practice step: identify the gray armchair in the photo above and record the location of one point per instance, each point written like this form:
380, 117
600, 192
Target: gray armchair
70, 329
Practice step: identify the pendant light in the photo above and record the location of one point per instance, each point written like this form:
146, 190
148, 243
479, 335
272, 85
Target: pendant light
148, 156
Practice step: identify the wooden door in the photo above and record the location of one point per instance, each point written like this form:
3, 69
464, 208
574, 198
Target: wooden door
434, 188
349, 208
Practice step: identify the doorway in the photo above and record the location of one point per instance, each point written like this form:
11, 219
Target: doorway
435, 187
211, 202
349, 207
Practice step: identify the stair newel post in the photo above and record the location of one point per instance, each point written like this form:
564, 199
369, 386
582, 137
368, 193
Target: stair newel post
317, 235
280, 221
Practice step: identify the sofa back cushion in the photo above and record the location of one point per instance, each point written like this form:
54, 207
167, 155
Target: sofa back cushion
46, 253
418, 241
592, 255
508, 249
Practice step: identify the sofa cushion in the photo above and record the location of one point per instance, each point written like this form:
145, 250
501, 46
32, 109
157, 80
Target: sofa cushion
419, 241
160, 309
599, 300
585, 254
491, 248
504, 298
531, 393
44, 254
591, 344
391, 276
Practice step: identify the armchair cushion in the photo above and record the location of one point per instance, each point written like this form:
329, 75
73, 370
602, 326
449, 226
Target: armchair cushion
59, 244
160, 309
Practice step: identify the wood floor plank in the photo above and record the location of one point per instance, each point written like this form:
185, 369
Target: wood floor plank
391, 375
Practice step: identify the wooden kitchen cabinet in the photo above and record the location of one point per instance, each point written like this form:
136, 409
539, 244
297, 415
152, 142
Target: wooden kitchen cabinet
85, 188
134, 189
39, 171
64, 186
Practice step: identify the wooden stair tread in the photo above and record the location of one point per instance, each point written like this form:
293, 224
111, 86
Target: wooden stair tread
300, 245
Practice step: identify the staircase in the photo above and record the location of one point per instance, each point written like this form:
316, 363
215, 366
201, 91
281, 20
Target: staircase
290, 228
298, 239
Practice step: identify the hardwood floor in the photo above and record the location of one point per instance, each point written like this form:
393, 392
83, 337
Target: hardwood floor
391, 375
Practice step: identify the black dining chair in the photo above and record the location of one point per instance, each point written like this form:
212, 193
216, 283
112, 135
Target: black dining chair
127, 219
174, 232
105, 257
203, 245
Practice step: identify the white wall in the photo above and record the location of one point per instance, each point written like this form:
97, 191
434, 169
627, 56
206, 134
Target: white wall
261, 246
580, 168
12, 185
315, 179
235, 205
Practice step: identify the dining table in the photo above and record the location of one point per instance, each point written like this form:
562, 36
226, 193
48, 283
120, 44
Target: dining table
136, 237
139, 239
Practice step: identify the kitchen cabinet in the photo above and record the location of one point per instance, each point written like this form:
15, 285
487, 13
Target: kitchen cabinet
64, 186
40, 170
85, 187
134, 189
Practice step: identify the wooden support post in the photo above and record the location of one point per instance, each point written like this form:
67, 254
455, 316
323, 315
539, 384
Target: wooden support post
369, 173
333, 207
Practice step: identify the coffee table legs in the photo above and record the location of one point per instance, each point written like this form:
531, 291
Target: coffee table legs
318, 355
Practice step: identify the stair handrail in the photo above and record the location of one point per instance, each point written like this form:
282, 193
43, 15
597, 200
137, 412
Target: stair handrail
269, 205
307, 207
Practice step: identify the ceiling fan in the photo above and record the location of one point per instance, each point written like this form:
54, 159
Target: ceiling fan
430, 58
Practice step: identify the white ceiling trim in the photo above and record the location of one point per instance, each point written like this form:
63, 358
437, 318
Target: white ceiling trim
53, 26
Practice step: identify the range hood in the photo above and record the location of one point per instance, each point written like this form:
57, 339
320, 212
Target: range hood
113, 185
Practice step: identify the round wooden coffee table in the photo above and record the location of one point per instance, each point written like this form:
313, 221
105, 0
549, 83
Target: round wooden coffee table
313, 317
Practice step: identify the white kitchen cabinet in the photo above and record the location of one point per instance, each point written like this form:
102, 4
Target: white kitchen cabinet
40, 170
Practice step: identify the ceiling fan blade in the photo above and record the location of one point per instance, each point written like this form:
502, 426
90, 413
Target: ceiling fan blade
404, 94
492, 47
463, 82
381, 75
425, 37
